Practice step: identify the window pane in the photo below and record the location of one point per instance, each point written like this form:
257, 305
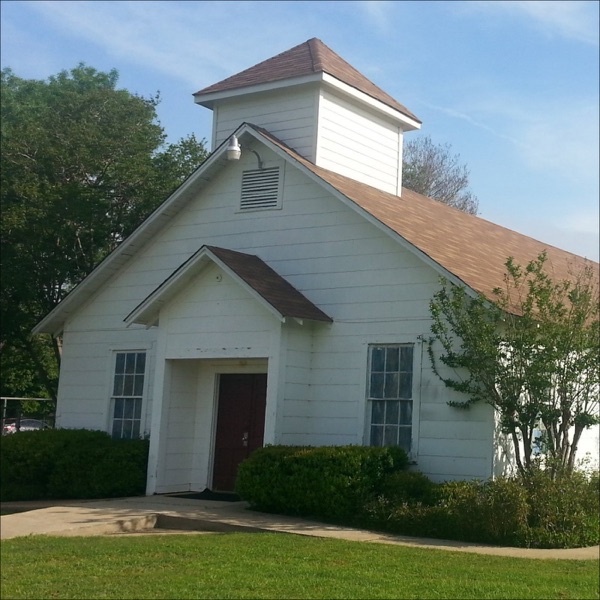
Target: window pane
392, 412
406, 359
376, 436
405, 385
135, 432
391, 359
391, 385
376, 385
404, 438
120, 364
118, 387
406, 413
390, 437
137, 413
128, 386
138, 388
377, 359
377, 412
140, 366
127, 429
118, 408
130, 362
129, 408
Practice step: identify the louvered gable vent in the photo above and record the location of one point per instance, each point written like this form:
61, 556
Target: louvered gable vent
260, 189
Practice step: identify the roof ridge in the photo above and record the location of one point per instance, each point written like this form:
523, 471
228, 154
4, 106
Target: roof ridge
308, 58
314, 49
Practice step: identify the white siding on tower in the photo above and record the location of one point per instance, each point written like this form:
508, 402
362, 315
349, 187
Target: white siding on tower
359, 144
290, 115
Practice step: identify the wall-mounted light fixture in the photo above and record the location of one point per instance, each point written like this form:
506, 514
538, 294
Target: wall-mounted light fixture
234, 151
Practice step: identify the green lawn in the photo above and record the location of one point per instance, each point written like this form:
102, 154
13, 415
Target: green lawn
270, 565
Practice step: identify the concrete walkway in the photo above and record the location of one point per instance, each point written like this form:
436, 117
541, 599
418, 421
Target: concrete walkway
166, 514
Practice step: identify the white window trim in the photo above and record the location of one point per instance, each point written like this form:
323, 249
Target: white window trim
417, 344
110, 380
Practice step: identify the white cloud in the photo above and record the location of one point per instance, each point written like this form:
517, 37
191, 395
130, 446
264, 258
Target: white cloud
557, 135
565, 143
377, 12
169, 37
576, 20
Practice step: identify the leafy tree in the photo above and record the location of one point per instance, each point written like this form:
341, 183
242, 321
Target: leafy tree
433, 171
533, 353
83, 163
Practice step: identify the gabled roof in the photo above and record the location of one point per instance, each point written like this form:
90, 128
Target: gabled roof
274, 292
465, 248
308, 58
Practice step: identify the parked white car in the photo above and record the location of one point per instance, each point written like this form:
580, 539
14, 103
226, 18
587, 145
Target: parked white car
24, 425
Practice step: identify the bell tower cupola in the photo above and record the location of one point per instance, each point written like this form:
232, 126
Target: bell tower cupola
322, 107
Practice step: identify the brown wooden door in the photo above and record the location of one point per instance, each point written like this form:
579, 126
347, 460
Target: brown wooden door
240, 424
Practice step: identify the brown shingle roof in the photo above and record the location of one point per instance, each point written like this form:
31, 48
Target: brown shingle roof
312, 56
280, 294
469, 247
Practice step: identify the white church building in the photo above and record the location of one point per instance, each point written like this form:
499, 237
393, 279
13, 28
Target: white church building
281, 294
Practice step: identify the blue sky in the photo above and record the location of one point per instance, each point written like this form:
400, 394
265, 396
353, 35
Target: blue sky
512, 86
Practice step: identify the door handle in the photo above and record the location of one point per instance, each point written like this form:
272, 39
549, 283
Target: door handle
245, 439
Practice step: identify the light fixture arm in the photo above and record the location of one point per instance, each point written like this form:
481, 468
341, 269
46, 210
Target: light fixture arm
260, 162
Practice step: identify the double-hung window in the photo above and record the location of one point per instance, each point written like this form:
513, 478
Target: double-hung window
127, 396
390, 395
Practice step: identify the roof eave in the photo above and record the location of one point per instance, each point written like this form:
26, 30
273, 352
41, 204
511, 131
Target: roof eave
409, 123
208, 100
148, 311
53, 322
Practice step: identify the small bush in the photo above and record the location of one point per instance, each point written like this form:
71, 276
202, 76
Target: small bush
537, 511
71, 463
564, 510
409, 486
330, 482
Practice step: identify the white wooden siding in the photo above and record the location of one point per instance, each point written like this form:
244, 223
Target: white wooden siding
289, 115
374, 290
180, 426
215, 314
359, 144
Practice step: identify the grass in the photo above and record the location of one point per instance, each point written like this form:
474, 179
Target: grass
270, 565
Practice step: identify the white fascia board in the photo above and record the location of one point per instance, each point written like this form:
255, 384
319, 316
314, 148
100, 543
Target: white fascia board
148, 311
208, 100
408, 124
53, 322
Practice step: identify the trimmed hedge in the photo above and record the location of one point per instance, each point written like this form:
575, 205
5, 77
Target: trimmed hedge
370, 487
494, 512
328, 482
538, 511
71, 463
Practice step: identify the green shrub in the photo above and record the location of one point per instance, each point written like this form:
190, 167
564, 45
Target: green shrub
538, 511
71, 463
330, 482
564, 510
493, 512
409, 486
